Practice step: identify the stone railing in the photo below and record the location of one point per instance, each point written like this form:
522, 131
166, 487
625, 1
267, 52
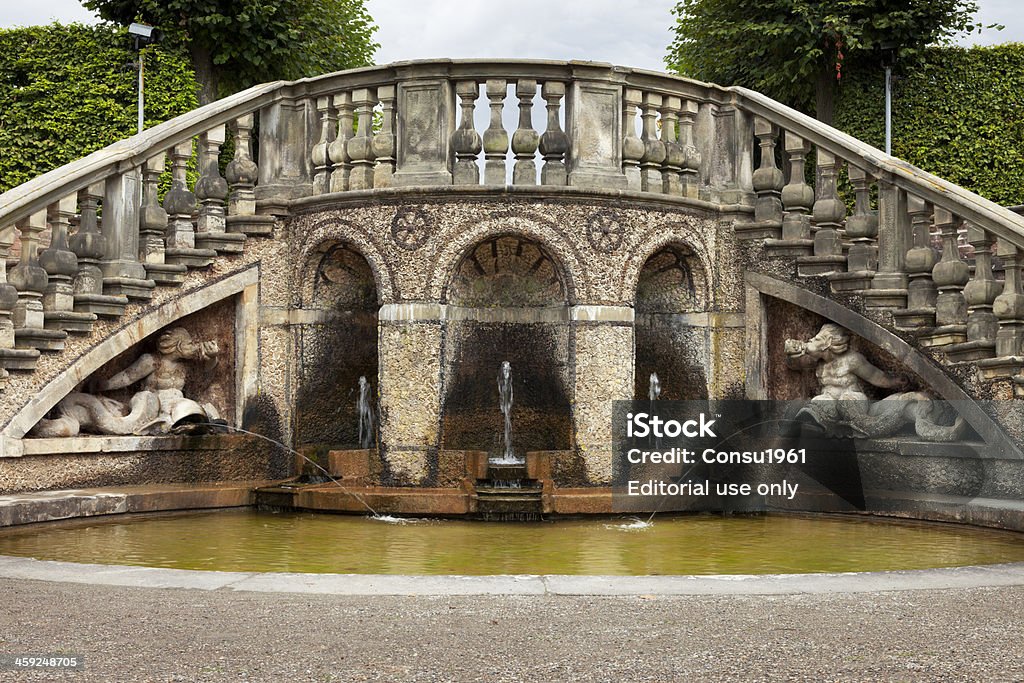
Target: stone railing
583, 125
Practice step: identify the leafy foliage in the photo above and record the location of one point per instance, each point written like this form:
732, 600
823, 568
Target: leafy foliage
238, 43
68, 90
959, 115
790, 49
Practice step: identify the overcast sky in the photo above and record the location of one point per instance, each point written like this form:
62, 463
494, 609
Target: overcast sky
626, 32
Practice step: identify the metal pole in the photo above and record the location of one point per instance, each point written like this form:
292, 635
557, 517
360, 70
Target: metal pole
888, 110
142, 101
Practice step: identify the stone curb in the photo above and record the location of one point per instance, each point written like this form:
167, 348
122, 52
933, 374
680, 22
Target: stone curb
992, 576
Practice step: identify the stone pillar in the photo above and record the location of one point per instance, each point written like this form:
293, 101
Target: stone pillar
241, 174
212, 192
920, 259
360, 147
675, 155
889, 285
768, 180
603, 372
979, 293
30, 280
89, 246
410, 389
465, 140
654, 149
632, 146
950, 275
426, 119
495, 137
336, 150
384, 142
525, 140
153, 227
827, 217
797, 199
319, 154
61, 266
861, 228
180, 205
284, 170
691, 166
1009, 310
554, 144
595, 129
123, 275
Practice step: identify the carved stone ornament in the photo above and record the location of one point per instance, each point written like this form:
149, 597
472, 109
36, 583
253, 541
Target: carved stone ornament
604, 232
410, 227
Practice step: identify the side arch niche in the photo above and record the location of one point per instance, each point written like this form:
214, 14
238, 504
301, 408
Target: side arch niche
335, 332
671, 327
506, 301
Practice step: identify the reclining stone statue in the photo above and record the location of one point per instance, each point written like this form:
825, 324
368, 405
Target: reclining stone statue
158, 408
843, 408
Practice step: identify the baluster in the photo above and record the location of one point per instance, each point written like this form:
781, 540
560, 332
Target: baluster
8, 300
61, 266
180, 204
691, 167
123, 275
90, 245
29, 278
465, 140
495, 137
862, 228
525, 139
153, 227
920, 259
337, 149
828, 215
321, 159
632, 146
384, 142
212, 191
360, 147
554, 144
979, 294
675, 155
1008, 308
242, 171
950, 275
768, 179
654, 149
889, 285
797, 199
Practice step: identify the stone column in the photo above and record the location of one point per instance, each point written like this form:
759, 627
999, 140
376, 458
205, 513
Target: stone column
768, 181
320, 157
89, 245
979, 293
1009, 310
30, 280
950, 275
861, 228
61, 266
920, 259
153, 227
691, 166
360, 147
123, 275
595, 129
180, 205
654, 149
426, 119
675, 155
525, 140
284, 170
603, 372
466, 141
889, 285
495, 137
827, 217
241, 174
410, 388
632, 146
336, 150
212, 192
797, 199
554, 144
384, 142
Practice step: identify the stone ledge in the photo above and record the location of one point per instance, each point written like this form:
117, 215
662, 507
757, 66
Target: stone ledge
48, 506
78, 445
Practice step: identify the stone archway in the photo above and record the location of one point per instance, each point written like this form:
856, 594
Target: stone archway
507, 300
671, 326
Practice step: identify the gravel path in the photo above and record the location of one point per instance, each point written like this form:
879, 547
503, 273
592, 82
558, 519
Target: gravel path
152, 634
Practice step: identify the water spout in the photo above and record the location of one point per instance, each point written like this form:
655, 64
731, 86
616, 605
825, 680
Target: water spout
505, 403
654, 390
364, 407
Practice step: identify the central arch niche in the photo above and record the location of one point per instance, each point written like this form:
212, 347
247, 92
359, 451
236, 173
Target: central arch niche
507, 301
672, 337
336, 343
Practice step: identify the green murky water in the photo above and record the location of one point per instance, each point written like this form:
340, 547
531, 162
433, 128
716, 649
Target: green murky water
246, 540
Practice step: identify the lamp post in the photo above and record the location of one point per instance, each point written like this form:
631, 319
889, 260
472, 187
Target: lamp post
143, 35
888, 60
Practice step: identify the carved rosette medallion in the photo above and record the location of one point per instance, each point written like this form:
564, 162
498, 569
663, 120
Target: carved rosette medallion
604, 232
410, 227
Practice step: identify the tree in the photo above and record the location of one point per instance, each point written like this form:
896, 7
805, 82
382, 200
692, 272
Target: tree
237, 43
795, 50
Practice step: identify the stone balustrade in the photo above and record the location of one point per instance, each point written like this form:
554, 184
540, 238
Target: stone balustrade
581, 125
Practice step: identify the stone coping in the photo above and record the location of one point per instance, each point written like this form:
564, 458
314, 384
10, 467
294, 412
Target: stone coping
991, 576
80, 445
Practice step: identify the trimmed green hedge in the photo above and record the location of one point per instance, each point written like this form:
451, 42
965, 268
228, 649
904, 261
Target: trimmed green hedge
959, 116
68, 90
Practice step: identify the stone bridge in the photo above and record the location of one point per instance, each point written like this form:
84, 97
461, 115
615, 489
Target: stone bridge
362, 223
